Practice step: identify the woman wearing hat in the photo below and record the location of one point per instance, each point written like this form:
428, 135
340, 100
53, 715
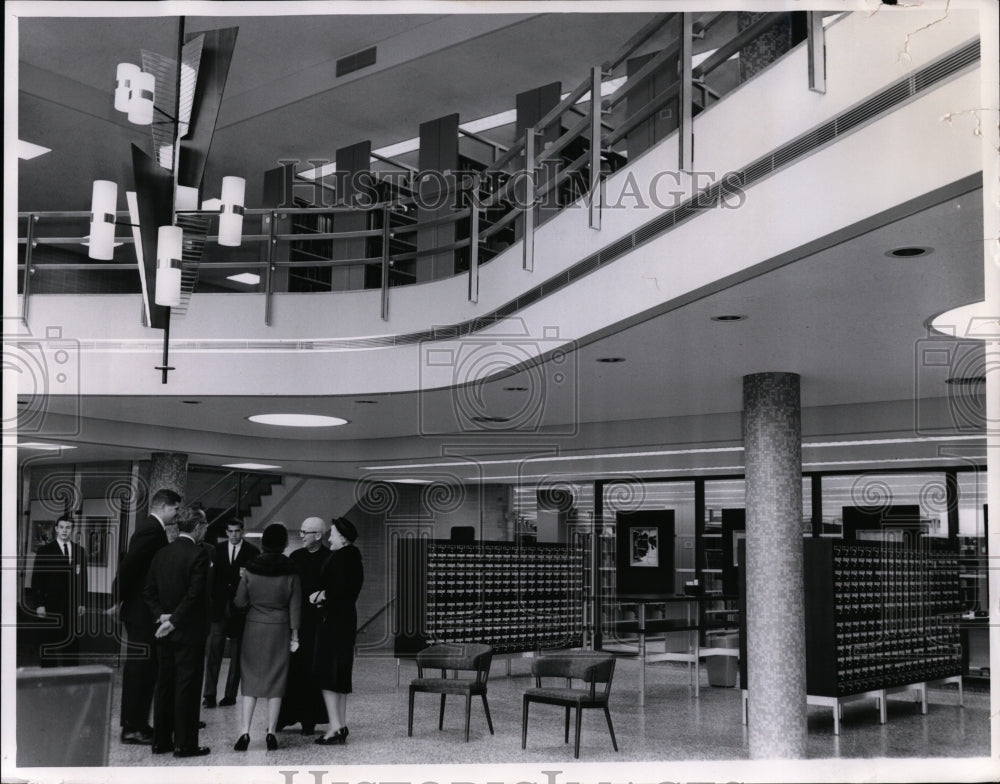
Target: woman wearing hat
341, 578
270, 592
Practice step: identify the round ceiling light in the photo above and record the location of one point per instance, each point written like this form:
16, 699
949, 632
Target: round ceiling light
297, 420
366, 402
909, 252
610, 360
729, 317
515, 389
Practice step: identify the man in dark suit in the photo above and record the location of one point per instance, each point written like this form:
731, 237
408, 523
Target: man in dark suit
59, 581
228, 559
176, 593
139, 674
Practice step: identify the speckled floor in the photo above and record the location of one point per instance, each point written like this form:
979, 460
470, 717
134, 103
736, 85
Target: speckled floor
673, 725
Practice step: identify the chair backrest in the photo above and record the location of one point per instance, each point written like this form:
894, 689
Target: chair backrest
592, 668
457, 656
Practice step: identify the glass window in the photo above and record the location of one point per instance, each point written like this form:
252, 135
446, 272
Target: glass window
879, 495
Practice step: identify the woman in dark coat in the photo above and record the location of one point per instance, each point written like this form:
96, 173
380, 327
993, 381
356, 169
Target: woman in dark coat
341, 578
269, 589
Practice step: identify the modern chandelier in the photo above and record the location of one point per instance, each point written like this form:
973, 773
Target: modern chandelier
179, 99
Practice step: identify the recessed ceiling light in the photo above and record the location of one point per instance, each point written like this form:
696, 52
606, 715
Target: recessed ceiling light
729, 317
192, 402
909, 252
44, 447
515, 389
250, 466
410, 481
26, 150
966, 381
610, 360
297, 420
248, 278
366, 402
490, 419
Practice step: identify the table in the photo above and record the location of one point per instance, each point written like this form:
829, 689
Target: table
689, 624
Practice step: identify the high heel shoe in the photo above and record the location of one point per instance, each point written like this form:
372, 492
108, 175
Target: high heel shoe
339, 738
242, 743
271, 741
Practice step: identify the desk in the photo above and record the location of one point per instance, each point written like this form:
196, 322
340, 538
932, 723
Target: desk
688, 624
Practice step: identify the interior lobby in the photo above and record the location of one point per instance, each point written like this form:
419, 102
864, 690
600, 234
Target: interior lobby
658, 365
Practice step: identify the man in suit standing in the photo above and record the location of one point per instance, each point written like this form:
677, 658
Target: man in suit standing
139, 674
228, 560
176, 594
59, 581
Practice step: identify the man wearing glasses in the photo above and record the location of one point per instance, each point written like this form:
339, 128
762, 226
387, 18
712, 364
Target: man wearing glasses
227, 562
303, 703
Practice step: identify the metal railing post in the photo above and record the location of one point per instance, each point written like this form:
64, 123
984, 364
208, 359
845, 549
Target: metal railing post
28, 269
272, 220
816, 43
529, 198
595, 148
474, 248
685, 133
386, 236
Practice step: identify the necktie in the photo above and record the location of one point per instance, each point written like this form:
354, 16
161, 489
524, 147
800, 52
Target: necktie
65, 549
232, 553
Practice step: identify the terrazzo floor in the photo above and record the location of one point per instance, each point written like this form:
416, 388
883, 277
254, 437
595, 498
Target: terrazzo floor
673, 726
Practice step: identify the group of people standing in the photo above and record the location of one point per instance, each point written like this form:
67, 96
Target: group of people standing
290, 619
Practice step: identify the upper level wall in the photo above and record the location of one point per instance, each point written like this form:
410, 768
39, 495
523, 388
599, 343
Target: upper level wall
907, 154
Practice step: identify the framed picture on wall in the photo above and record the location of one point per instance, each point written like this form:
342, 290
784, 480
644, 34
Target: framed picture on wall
42, 532
645, 550
96, 539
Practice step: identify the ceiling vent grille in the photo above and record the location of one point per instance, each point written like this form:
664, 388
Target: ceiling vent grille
355, 62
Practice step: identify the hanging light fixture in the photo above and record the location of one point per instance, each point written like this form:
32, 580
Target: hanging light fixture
126, 72
140, 102
231, 211
103, 206
169, 247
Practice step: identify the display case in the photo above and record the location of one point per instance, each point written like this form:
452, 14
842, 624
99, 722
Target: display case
512, 597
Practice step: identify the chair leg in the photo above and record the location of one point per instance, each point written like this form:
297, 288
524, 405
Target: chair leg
409, 722
468, 711
486, 707
524, 723
441, 718
566, 738
576, 748
611, 729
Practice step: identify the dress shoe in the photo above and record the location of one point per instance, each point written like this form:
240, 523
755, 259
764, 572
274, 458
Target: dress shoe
225, 702
339, 738
208, 702
159, 748
193, 751
271, 741
137, 737
242, 743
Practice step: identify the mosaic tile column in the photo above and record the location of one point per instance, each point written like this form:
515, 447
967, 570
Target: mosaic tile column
776, 655
168, 470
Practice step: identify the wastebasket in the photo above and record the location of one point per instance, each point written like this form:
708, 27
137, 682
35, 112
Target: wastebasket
722, 670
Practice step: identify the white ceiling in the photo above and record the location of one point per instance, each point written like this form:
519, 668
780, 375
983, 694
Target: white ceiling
849, 319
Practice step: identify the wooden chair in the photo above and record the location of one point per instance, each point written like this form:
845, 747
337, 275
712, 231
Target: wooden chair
591, 668
468, 657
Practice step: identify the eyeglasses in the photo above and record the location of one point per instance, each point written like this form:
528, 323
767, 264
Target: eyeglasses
306, 533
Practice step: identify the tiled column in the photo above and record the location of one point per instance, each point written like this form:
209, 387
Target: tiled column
776, 656
168, 470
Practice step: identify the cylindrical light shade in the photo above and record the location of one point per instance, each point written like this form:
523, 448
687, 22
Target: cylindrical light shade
126, 72
168, 286
231, 217
140, 103
169, 248
103, 205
